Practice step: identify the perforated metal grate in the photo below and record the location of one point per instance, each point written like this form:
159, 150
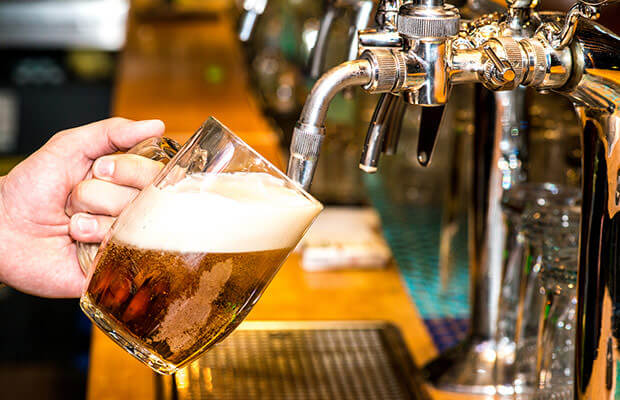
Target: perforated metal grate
300, 361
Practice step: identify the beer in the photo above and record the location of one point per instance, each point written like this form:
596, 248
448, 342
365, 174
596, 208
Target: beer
185, 264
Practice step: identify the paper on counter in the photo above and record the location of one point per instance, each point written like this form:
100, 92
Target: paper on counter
344, 237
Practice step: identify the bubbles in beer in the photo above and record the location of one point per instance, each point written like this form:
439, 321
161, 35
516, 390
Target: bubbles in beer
187, 315
186, 263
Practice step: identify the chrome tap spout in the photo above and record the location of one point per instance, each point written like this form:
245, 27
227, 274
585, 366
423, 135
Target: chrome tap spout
309, 130
252, 10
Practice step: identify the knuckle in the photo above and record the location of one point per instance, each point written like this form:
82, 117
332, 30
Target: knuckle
82, 191
116, 120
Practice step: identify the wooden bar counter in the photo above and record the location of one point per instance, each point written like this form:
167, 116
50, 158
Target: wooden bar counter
182, 72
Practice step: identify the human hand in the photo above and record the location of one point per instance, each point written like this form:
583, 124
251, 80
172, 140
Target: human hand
53, 198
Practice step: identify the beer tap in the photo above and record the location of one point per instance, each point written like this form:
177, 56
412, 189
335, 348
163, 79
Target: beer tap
386, 122
252, 10
567, 54
362, 12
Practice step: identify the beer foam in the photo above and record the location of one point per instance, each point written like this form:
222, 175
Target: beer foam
218, 213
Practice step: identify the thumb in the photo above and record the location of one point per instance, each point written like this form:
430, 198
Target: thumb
107, 136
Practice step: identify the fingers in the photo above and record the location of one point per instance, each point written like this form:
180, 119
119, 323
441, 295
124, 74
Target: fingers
89, 228
95, 196
127, 169
107, 136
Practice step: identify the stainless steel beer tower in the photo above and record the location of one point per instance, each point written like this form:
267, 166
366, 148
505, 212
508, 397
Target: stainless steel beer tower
429, 51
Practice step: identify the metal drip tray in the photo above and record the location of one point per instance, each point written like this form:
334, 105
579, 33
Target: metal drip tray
300, 361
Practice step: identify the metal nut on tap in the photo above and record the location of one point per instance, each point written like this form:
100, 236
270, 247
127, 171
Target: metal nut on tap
389, 70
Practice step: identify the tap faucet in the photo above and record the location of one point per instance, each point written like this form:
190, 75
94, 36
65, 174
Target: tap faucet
252, 10
568, 54
361, 15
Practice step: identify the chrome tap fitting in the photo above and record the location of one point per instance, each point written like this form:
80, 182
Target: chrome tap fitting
309, 131
389, 70
426, 28
360, 19
252, 10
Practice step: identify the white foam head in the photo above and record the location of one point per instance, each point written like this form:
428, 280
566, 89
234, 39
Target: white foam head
219, 213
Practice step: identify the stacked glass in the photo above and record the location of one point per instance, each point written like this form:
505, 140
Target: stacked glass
533, 212
558, 283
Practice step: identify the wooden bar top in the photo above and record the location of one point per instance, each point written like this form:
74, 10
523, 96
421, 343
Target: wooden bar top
182, 72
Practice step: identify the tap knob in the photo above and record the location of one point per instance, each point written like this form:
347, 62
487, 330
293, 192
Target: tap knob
428, 20
501, 72
505, 64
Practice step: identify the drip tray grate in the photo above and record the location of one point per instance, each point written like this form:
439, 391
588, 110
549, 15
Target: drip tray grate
300, 361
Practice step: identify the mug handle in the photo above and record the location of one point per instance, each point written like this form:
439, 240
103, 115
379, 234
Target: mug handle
158, 149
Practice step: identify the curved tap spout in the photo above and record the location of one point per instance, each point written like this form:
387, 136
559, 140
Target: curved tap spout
309, 130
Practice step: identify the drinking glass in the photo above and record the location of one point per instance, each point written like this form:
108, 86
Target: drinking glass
558, 281
528, 207
185, 262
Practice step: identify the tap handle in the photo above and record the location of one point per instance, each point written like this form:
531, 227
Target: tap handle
361, 19
362, 12
317, 54
430, 122
395, 124
252, 10
502, 71
588, 9
377, 130
598, 3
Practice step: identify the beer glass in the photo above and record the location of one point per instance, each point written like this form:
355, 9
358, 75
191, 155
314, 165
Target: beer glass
188, 258
558, 281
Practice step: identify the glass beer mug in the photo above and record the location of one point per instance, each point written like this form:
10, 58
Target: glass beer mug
188, 258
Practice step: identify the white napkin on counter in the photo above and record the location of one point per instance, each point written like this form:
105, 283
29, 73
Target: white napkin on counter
344, 237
